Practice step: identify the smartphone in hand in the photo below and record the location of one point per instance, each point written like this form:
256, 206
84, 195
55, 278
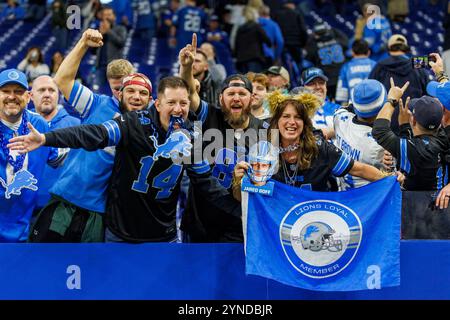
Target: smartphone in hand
422, 61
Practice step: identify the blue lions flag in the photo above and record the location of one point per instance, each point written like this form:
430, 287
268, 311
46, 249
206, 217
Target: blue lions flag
328, 241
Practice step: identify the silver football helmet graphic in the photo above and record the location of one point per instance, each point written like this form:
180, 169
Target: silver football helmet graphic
317, 236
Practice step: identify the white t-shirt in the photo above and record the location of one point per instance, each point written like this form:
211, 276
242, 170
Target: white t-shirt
32, 72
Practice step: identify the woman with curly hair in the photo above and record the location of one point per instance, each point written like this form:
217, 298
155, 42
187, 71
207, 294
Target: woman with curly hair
306, 159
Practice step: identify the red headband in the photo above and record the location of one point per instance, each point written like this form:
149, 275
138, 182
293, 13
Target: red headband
129, 80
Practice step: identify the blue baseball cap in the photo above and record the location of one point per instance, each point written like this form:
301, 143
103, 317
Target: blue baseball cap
368, 97
312, 73
427, 111
440, 91
13, 76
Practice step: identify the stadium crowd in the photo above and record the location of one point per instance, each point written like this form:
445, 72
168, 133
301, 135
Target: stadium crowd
148, 161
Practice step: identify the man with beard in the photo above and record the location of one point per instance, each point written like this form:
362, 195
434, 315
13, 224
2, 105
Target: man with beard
234, 123
145, 180
20, 175
79, 196
45, 95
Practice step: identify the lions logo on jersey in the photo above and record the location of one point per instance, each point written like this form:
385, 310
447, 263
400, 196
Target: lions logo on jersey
320, 238
177, 145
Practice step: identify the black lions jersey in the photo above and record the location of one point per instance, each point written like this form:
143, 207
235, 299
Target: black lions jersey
330, 161
201, 221
421, 158
144, 186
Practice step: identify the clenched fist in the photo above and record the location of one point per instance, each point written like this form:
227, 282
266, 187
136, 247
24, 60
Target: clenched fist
92, 38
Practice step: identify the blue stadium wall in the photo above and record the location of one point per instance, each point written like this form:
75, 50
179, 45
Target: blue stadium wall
189, 271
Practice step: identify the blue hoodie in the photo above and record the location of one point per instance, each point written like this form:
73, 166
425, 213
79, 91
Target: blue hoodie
273, 31
51, 174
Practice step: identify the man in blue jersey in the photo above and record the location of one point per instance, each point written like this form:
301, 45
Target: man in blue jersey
325, 49
377, 31
187, 21
354, 71
20, 175
45, 94
216, 35
75, 213
146, 22
166, 17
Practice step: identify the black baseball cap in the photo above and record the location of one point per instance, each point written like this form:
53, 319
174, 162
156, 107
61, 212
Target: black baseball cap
246, 85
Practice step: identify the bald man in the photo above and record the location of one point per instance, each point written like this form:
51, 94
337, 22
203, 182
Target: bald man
45, 96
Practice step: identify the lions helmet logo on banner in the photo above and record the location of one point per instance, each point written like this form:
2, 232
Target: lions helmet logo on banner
320, 238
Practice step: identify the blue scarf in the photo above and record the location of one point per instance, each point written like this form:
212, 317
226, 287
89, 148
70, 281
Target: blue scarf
4, 140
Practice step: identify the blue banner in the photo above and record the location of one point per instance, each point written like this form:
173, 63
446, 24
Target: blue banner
327, 241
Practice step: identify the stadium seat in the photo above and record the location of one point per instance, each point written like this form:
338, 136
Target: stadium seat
423, 28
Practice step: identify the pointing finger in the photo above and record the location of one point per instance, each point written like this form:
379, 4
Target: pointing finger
194, 41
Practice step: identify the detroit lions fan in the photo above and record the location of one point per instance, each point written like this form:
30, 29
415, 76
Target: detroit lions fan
306, 159
354, 130
80, 192
314, 79
421, 145
20, 174
354, 71
234, 116
145, 182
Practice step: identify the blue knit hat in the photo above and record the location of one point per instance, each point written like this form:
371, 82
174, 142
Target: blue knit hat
368, 98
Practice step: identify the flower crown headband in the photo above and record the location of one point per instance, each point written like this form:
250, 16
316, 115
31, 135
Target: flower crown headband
308, 100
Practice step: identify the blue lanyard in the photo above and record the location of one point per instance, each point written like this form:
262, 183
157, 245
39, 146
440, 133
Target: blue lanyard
4, 140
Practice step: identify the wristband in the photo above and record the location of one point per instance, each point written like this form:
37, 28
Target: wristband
441, 76
393, 102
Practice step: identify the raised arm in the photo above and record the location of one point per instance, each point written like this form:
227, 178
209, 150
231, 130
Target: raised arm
65, 76
395, 94
381, 130
186, 59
